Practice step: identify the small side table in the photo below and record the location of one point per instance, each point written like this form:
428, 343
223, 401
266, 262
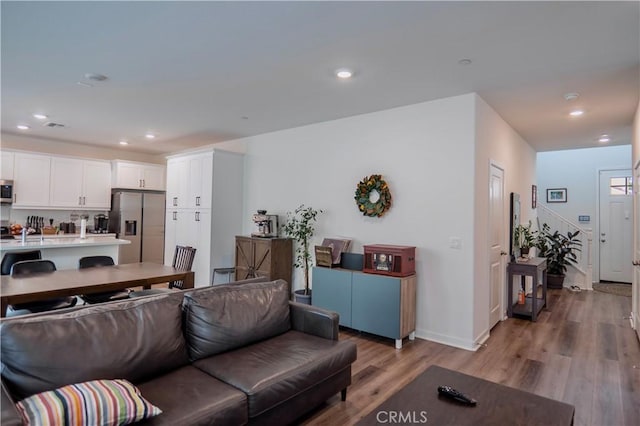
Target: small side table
534, 304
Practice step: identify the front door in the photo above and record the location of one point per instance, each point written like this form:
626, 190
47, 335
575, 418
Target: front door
496, 243
616, 225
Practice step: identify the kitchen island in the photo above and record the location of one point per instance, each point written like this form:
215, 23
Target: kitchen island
65, 252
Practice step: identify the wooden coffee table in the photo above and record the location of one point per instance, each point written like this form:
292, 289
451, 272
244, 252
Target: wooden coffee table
419, 403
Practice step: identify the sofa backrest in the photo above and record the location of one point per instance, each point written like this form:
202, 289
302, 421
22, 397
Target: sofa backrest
220, 318
136, 339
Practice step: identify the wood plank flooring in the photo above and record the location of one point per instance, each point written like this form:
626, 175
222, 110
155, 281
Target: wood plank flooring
581, 351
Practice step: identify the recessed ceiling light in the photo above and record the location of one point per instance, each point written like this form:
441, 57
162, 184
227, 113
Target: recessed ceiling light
149, 135
604, 139
571, 96
40, 116
23, 127
83, 84
123, 143
344, 73
576, 113
464, 61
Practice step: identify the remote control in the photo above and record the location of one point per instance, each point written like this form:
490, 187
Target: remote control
450, 392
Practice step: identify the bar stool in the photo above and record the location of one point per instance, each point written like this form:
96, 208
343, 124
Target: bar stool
222, 271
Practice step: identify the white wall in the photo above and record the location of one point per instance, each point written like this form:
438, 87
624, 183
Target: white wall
578, 171
425, 153
496, 142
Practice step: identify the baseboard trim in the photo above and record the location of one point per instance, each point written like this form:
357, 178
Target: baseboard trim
447, 340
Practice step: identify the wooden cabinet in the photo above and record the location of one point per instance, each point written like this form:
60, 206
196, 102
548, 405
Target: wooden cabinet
204, 209
264, 257
375, 304
79, 183
31, 180
134, 175
6, 166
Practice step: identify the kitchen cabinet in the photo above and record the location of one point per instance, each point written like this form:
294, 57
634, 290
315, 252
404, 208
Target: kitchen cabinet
264, 257
209, 222
6, 165
372, 303
190, 180
31, 180
134, 175
79, 183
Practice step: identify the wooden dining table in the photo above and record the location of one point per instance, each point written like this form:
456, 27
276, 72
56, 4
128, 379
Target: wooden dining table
73, 282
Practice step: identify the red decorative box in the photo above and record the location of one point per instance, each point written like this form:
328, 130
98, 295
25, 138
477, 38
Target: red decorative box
397, 261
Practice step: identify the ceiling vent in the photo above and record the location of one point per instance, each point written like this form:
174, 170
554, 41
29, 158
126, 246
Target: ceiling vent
52, 124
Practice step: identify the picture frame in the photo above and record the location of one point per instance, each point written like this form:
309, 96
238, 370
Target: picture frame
534, 196
557, 195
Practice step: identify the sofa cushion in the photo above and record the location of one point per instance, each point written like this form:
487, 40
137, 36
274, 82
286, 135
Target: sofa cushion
272, 371
98, 402
134, 340
188, 396
222, 318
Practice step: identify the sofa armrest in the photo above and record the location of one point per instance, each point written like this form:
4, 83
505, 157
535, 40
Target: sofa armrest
9, 415
313, 320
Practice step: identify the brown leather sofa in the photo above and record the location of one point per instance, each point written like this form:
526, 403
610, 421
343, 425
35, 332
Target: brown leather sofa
231, 354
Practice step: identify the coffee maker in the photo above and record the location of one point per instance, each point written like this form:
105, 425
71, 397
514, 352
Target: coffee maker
100, 224
265, 225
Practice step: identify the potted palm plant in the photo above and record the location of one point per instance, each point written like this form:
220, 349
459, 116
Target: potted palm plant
560, 251
300, 227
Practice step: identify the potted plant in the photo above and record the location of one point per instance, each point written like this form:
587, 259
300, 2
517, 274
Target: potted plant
300, 227
560, 251
525, 238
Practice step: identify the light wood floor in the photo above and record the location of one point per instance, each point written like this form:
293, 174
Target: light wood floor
581, 351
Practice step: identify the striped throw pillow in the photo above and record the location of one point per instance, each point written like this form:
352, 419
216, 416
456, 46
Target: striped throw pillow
98, 402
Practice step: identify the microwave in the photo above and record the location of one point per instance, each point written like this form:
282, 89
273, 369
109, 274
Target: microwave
6, 191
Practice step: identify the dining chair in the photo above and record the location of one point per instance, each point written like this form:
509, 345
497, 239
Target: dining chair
12, 257
25, 268
183, 261
107, 296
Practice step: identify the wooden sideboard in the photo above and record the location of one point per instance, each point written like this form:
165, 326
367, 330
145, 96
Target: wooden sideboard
264, 257
372, 303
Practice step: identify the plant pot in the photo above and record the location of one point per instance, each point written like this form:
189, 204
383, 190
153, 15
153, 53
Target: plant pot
555, 281
524, 251
300, 297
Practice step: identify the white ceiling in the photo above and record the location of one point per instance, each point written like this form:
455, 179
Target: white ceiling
197, 73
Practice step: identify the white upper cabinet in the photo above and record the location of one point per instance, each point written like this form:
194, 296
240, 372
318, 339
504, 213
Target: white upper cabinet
189, 181
79, 183
31, 180
6, 167
132, 175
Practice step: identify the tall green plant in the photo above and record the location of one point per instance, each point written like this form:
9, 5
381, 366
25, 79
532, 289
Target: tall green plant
300, 227
560, 250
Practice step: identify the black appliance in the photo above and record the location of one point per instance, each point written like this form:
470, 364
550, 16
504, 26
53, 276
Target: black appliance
100, 224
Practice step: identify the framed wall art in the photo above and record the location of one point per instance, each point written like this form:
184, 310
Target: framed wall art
557, 195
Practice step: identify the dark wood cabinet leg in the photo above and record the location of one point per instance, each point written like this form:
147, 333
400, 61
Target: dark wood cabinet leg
343, 394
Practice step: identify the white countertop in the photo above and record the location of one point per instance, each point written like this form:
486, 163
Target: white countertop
51, 242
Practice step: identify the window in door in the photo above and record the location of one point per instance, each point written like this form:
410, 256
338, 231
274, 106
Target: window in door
620, 186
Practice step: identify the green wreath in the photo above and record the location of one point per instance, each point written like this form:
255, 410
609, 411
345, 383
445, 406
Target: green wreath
363, 196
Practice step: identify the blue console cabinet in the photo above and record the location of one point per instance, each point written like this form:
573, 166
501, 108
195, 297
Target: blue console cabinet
375, 304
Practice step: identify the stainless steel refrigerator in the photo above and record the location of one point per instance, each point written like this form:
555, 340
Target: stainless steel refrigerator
138, 217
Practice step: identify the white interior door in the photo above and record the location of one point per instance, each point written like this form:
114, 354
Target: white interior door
496, 243
616, 225
636, 269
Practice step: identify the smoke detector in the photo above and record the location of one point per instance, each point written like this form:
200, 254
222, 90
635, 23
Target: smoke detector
95, 76
52, 124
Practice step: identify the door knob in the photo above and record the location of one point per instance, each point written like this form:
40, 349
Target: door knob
636, 263
602, 241
503, 253
603, 234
